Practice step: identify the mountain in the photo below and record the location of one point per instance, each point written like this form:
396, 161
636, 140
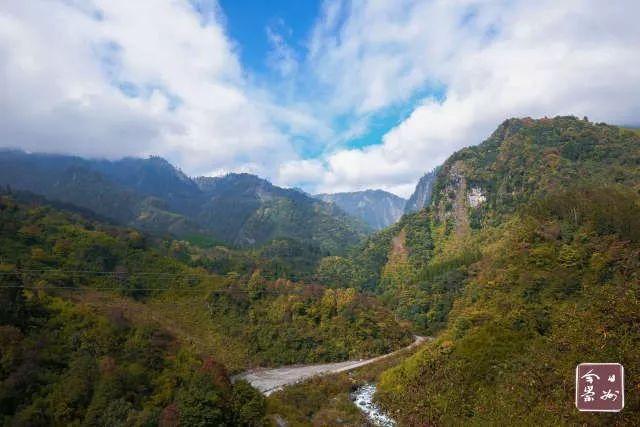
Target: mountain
524, 265
530, 241
477, 189
421, 196
377, 208
151, 194
246, 210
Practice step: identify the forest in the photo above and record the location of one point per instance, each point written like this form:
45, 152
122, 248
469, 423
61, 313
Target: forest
525, 263
104, 325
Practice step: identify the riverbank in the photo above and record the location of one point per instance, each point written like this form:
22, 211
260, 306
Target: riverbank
271, 380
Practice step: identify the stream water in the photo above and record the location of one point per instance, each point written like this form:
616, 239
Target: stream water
363, 398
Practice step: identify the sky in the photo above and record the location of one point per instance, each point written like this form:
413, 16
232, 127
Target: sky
326, 95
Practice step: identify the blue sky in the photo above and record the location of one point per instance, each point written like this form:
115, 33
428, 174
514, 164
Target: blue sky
251, 24
247, 23
331, 95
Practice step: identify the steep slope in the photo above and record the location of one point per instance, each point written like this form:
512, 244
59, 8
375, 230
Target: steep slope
558, 285
378, 208
154, 196
526, 230
421, 262
421, 196
154, 176
122, 191
525, 159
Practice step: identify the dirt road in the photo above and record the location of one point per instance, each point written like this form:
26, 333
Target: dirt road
270, 380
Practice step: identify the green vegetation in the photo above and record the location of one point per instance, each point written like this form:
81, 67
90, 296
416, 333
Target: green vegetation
524, 264
401, 266
285, 323
241, 210
548, 277
61, 364
559, 286
103, 325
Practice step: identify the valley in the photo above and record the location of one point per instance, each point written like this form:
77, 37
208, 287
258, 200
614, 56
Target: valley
293, 306
319, 213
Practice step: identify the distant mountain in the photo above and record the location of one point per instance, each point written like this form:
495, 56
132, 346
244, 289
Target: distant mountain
246, 209
421, 196
377, 208
153, 195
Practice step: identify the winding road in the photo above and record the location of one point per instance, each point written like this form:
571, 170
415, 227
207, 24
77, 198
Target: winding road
270, 380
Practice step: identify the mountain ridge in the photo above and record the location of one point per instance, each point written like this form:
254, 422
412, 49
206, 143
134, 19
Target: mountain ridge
378, 208
153, 195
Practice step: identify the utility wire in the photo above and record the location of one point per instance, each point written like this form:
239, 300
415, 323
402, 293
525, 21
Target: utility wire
71, 288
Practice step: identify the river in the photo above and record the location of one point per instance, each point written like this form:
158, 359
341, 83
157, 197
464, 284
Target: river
363, 399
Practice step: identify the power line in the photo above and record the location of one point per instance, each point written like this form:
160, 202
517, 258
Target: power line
217, 291
107, 273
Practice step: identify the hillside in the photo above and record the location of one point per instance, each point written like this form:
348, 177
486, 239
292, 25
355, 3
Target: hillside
102, 324
531, 240
154, 196
523, 264
377, 208
556, 285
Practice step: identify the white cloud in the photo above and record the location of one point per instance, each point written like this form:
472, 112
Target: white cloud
67, 66
301, 172
281, 57
496, 60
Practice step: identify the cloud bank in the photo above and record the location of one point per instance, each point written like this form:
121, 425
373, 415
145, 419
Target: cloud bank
115, 77
496, 59
111, 78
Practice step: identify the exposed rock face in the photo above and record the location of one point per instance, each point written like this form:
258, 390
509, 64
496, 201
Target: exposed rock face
476, 197
421, 196
378, 208
457, 197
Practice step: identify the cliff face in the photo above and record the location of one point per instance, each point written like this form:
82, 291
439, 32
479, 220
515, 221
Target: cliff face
421, 196
525, 159
377, 208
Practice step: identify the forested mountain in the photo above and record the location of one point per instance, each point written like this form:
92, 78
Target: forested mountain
421, 196
103, 325
525, 264
378, 208
151, 194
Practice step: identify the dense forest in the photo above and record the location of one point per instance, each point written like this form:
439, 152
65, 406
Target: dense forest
152, 195
104, 325
539, 226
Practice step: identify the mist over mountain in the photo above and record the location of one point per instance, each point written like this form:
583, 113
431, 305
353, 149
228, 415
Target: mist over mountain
377, 208
153, 195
